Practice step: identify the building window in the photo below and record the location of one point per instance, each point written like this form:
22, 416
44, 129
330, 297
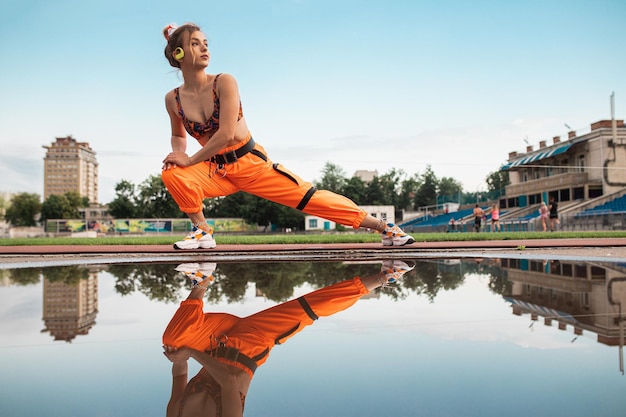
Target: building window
581, 163
534, 199
579, 193
595, 191
312, 223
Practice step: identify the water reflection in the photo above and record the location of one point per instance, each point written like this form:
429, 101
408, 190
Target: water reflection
230, 349
584, 296
457, 337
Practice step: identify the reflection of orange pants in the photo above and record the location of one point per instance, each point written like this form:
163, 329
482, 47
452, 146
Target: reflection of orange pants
260, 332
252, 174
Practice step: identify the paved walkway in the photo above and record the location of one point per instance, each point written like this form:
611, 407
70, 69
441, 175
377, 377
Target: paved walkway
614, 248
448, 245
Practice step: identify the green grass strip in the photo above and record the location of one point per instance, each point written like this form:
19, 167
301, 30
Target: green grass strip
236, 239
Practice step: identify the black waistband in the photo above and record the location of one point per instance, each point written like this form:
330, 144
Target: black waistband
234, 355
232, 156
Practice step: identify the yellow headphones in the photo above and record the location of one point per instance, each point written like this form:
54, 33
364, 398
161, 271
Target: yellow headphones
179, 53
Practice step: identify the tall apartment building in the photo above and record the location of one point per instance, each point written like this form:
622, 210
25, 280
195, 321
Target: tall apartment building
70, 165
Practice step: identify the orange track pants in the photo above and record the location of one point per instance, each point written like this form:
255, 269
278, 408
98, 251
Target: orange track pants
250, 173
192, 327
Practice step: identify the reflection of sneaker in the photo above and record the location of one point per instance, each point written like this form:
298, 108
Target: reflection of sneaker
394, 236
197, 238
198, 273
394, 270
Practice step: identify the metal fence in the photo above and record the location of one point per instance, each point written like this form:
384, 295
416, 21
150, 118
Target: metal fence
142, 226
567, 222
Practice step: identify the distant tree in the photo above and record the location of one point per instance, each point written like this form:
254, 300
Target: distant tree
277, 281
224, 207
289, 217
3, 206
156, 281
63, 206
70, 274
426, 195
123, 206
154, 201
54, 207
408, 190
260, 211
374, 193
253, 209
25, 276
354, 188
23, 210
449, 190
76, 201
496, 183
333, 178
390, 186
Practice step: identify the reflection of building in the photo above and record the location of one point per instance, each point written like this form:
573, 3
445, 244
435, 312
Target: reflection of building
70, 309
585, 296
70, 166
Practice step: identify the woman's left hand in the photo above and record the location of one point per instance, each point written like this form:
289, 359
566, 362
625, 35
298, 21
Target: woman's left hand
175, 354
177, 159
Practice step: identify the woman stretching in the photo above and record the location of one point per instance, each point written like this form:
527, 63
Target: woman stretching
208, 108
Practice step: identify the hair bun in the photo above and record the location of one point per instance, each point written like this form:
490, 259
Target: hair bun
168, 30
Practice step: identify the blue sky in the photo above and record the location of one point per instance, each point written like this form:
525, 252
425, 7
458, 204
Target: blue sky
362, 84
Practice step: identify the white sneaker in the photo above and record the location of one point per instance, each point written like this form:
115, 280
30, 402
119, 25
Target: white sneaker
189, 267
197, 238
394, 236
394, 270
198, 272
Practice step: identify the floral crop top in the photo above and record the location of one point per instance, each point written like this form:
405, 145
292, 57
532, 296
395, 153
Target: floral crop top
197, 129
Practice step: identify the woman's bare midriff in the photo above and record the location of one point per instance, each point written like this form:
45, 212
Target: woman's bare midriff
241, 135
202, 404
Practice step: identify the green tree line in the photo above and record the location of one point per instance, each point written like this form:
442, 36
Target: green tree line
150, 198
276, 281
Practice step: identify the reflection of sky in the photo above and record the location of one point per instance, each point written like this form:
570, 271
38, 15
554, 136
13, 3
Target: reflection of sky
464, 354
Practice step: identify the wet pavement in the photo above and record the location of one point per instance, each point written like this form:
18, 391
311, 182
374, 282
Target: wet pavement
588, 249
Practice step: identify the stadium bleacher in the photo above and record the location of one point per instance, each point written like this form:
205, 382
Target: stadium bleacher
439, 220
617, 205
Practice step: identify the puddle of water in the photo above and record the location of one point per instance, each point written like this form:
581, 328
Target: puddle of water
478, 337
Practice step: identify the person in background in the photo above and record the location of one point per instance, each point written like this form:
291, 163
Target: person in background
554, 214
451, 225
208, 108
543, 215
495, 218
478, 218
231, 348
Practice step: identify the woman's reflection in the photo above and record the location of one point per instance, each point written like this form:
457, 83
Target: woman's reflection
230, 348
